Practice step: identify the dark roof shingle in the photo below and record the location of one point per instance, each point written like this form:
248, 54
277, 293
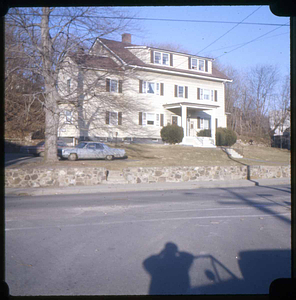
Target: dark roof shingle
129, 58
94, 61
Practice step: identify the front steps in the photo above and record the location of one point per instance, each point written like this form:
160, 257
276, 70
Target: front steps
198, 141
114, 177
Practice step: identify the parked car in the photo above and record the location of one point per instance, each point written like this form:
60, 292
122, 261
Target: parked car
38, 150
91, 150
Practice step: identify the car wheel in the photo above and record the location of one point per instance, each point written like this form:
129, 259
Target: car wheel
41, 154
72, 156
109, 157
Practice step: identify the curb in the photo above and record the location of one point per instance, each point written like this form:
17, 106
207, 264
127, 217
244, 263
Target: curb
115, 188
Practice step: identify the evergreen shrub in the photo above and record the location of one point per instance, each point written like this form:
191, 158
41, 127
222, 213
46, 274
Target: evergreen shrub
172, 134
225, 137
205, 132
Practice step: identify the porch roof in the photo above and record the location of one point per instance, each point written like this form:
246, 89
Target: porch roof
191, 105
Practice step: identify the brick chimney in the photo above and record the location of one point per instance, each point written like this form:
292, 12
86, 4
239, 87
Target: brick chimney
127, 38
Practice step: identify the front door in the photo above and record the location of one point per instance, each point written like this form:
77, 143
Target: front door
192, 127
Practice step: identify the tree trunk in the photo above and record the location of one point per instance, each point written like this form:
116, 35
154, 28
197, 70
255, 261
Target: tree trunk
83, 131
51, 126
51, 107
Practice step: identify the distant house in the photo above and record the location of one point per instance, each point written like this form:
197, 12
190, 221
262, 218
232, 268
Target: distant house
279, 121
129, 92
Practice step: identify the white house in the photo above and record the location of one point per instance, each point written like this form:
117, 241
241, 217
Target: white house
125, 91
280, 120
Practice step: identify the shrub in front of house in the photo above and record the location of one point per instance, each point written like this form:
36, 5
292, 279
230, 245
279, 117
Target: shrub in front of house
172, 134
225, 137
205, 132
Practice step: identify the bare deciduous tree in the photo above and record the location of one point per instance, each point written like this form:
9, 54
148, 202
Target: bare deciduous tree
251, 98
280, 107
48, 36
23, 98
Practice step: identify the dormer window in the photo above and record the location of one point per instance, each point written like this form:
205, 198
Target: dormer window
161, 58
199, 64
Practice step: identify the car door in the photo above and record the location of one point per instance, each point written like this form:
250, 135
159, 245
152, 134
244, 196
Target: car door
100, 153
91, 150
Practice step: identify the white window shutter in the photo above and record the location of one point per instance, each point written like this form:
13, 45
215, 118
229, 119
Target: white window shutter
144, 119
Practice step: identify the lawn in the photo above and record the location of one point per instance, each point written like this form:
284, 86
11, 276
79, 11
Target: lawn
154, 155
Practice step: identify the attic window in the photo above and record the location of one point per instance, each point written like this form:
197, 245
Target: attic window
199, 64
161, 58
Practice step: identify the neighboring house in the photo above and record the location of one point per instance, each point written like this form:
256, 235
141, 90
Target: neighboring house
123, 91
280, 120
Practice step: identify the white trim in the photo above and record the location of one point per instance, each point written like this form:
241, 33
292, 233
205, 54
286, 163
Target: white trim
178, 53
136, 47
191, 105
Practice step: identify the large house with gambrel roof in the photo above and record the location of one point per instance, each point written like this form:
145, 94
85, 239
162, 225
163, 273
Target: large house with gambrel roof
129, 92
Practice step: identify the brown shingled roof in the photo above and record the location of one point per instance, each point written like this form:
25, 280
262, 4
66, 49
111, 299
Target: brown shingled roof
129, 58
94, 61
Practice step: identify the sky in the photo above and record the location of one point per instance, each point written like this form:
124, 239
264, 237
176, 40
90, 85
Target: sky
218, 40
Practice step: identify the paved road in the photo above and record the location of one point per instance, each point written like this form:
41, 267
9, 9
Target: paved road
222, 240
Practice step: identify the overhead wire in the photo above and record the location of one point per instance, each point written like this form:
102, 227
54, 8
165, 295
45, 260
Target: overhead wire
164, 20
243, 43
250, 41
220, 37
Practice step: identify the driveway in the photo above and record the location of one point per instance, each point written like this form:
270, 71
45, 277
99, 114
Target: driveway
19, 159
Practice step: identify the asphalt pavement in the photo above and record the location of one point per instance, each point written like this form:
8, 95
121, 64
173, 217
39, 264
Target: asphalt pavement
190, 241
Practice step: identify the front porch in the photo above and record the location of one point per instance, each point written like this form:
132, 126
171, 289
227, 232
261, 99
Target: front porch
193, 118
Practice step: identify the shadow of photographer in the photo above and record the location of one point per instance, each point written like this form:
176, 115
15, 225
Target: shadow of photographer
169, 271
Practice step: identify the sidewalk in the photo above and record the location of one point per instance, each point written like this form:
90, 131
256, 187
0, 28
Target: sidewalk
115, 188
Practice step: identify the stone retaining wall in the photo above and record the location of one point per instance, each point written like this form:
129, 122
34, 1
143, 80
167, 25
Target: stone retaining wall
177, 174
92, 176
53, 177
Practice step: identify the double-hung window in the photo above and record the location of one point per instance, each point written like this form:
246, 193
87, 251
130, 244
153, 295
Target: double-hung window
203, 123
206, 94
113, 118
181, 91
113, 85
69, 86
201, 65
150, 87
151, 119
165, 59
161, 58
198, 64
68, 114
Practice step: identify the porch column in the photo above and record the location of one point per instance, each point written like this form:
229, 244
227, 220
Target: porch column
184, 119
213, 126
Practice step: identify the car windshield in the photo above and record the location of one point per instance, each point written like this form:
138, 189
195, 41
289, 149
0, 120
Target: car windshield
80, 145
62, 144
